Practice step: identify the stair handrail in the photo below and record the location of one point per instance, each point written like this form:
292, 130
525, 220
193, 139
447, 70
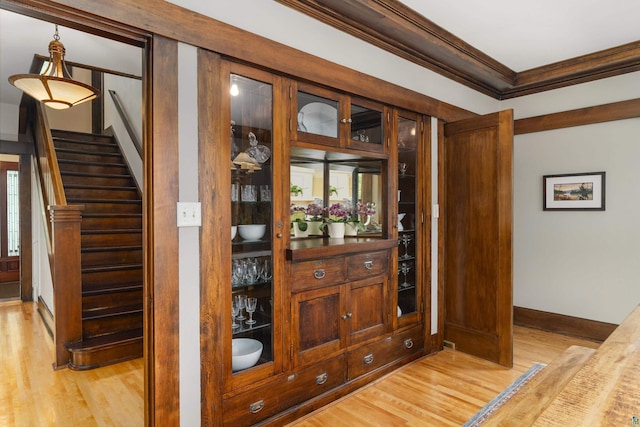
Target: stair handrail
126, 121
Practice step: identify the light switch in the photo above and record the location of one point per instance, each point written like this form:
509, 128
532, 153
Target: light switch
189, 214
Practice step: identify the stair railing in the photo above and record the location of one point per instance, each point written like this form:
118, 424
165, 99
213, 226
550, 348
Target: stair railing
63, 232
126, 121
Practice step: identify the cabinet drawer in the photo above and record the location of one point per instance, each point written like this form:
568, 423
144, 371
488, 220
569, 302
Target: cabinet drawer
368, 264
255, 405
317, 273
375, 355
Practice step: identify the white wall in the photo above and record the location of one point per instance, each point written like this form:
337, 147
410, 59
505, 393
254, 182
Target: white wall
129, 92
41, 281
8, 122
582, 264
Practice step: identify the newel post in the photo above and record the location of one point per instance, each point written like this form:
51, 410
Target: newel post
67, 278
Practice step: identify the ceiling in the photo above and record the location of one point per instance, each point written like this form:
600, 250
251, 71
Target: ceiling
500, 47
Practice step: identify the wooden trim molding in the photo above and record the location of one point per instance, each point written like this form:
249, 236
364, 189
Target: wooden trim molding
46, 316
582, 116
391, 26
562, 324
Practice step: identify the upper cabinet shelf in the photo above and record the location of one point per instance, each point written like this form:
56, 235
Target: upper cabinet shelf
337, 120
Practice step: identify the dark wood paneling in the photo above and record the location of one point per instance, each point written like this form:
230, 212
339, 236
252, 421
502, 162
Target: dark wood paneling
582, 116
562, 324
161, 241
26, 231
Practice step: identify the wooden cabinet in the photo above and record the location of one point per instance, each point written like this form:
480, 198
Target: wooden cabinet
329, 319
326, 309
322, 117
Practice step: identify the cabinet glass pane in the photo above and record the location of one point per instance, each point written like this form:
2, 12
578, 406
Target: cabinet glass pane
317, 115
251, 213
407, 203
366, 125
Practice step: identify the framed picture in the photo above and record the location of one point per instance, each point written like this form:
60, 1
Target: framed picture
573, 191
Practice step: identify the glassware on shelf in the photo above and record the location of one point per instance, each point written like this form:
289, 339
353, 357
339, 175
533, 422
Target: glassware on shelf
234, 313
241, 302
267, 272
402, 168
406, 239
404, 269
252, 303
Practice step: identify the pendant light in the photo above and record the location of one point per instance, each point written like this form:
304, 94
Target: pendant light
54, 86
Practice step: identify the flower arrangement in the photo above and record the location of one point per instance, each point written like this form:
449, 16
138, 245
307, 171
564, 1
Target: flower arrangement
314, 212
366, 209
298, 215
337, 212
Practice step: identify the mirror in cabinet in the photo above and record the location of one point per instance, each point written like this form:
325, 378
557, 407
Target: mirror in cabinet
327, 188
408, 265
328, 118
251, 217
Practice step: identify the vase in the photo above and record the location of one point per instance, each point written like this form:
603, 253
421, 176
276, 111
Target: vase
299, 233
400, 218
336, 230
350, 229
314, 228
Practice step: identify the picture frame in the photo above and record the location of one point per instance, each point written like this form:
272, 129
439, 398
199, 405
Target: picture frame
574, 192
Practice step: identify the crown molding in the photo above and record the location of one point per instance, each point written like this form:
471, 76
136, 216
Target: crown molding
392, 26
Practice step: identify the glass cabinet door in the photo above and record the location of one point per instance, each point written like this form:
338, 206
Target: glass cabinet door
407, 216
251, 214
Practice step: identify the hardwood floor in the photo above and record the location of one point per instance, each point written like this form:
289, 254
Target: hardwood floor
33, 394
445, 389
440, 390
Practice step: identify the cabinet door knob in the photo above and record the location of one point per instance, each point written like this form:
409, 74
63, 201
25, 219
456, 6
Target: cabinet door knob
408, 343
319, 274
346, 120
322, 378
349, 315
368, 359
368, 265
279, 235
256, 407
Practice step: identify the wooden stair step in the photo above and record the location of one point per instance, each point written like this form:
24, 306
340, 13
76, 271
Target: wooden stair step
113, 238
106, 205
111, 320
87, 156
111, 220
106, 349
524, 407
111, 255
92, 167
102, 312
105, 300
107, 268
91, 279
111, 288
99, 147
73, 177
105, 193
71, 135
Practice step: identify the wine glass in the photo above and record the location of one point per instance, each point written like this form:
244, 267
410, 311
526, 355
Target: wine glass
405, 268
251, 307
266, 270
241, 302
234, 313
406, 239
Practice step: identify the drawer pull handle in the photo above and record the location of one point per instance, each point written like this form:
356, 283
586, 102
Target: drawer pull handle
322, 378
319, 274
368, 265
256, 407
408, 343
368, 359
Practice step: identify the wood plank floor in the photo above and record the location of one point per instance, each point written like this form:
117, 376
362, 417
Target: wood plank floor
33, 394
441, 390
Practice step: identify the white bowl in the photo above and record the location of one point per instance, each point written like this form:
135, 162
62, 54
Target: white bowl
245, 353
252, 231
234, 230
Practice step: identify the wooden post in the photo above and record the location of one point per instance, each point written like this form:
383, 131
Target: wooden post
67, 278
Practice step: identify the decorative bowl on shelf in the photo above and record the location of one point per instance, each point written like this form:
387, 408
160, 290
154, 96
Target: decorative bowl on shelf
234, 230
245, 353
252, 231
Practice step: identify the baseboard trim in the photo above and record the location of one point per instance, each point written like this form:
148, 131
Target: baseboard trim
46, 316
562, 324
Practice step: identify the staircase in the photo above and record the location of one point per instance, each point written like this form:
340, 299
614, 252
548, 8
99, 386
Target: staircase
94, 174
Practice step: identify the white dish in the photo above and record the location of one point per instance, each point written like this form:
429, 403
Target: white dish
245, 353
252, 231
234, 230
319, 118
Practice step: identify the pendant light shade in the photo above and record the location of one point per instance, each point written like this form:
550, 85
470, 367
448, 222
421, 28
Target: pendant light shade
54, 86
